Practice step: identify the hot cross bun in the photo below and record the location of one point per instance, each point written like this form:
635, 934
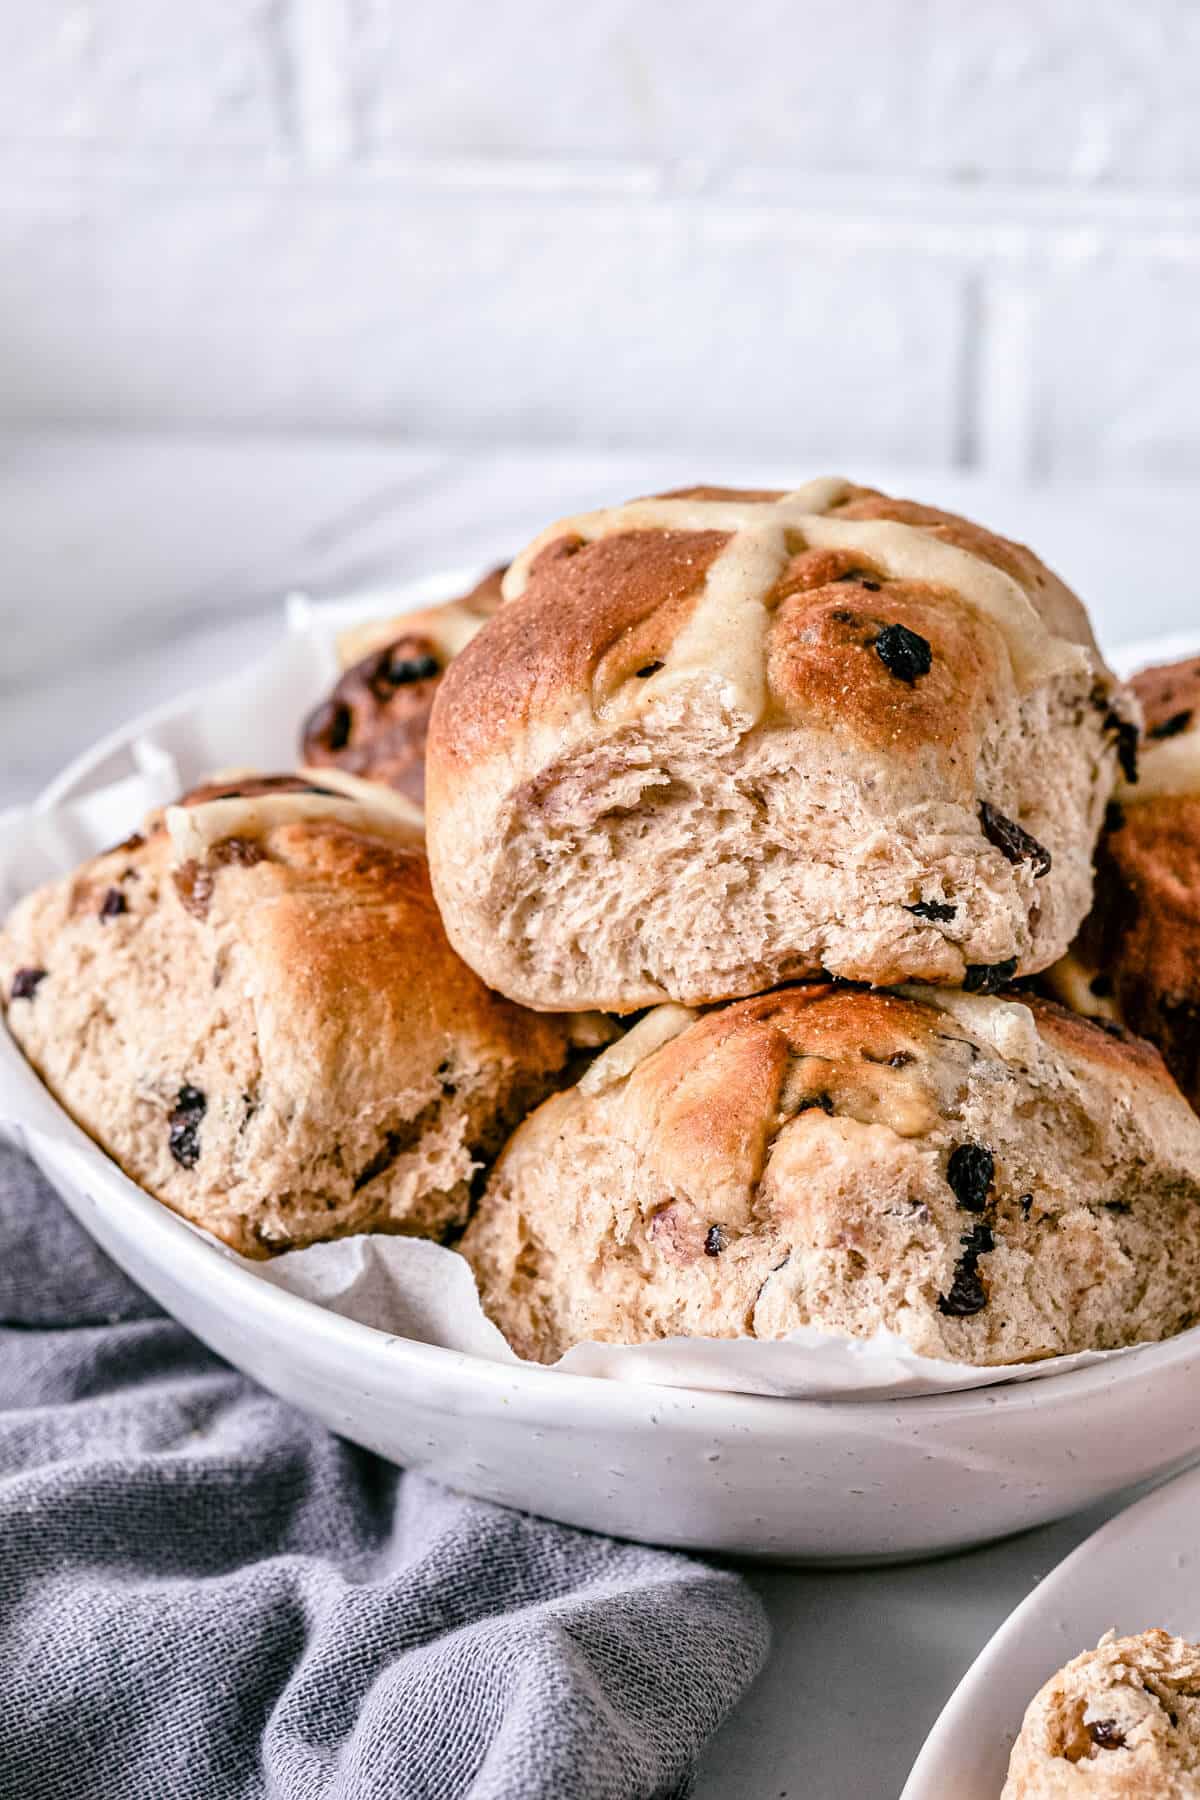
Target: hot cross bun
996, 1180
717, 740
251, 1005
375, 721
1140, 949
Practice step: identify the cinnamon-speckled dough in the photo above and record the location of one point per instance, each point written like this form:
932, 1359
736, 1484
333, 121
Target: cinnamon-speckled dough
1120, 1722
995, 1179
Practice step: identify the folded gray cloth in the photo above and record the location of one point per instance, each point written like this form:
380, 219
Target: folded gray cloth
204, 1593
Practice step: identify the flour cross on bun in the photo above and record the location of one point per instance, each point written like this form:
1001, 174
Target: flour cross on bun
727, 629
715, 740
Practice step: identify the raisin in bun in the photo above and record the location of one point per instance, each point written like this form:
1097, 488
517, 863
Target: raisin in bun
253, 1008
996, 1180
1120, 1722
374, 722
1138, 957
717, 740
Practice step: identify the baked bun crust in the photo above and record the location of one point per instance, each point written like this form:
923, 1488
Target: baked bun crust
375, 720
1120, 1722
995, 1179
714, 741
1141, 945
253, 1008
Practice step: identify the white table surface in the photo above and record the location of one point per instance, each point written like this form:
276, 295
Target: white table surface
132, 568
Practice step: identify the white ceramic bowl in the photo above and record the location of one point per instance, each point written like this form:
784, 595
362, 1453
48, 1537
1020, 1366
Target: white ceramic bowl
792, 1480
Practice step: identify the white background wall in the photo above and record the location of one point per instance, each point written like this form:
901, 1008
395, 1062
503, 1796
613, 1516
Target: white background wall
945, 231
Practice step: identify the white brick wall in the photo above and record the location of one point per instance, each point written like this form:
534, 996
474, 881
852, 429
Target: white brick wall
208, 75
937, 230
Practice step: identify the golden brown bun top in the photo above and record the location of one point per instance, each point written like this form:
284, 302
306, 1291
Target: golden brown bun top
1169, 693
714, 1095
1149, 858
1100, 1042
1143, 934
446, 626
599, 615
339, 912
1015, 559
485, 596
375, 721
719, 493
245, 787
718, 1092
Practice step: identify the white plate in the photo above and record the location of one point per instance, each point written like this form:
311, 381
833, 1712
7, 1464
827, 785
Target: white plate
789, 1479
1139, 1570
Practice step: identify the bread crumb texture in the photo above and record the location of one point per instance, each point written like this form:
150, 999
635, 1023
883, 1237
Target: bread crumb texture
1120, 1722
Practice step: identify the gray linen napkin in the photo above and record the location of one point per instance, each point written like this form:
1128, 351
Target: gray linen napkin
203, 1593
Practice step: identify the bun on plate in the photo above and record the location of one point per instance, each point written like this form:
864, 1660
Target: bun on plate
1120, 1722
